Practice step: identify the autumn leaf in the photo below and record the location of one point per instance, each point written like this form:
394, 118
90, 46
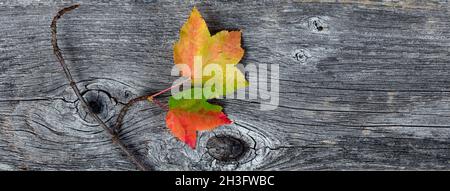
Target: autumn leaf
188, 115
223, 48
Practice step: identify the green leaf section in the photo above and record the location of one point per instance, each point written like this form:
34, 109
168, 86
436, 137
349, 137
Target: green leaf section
195, 98
188, 102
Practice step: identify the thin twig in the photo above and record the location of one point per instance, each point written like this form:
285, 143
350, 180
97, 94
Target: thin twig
150, 97
124, 111
112, 133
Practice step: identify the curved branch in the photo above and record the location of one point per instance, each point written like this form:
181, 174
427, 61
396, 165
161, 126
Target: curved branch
124, 111
130, 103
112, 133
150, 97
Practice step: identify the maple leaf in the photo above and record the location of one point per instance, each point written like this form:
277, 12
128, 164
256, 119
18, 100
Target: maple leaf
187, 115
223, 48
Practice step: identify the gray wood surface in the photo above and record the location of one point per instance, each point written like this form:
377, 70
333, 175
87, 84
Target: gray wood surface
363, 85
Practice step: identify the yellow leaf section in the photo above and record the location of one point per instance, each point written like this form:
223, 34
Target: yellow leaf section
194, 37
225, 49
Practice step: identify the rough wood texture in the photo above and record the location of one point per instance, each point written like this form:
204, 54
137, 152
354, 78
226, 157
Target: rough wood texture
363, 85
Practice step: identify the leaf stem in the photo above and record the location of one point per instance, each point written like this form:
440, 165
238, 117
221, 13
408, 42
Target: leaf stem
161, 105
150, 98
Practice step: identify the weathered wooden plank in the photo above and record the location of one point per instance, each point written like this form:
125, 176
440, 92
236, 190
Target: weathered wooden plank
363, 85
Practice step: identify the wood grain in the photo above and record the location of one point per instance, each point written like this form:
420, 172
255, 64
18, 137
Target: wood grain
363, 85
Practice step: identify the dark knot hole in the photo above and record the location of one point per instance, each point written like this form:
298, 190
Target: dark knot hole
318, 26
226, 148
95, 106
100, 102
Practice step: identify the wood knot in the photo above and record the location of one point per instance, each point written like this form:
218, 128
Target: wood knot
100, 102
317, 24
301, 55
95, 106
226, 148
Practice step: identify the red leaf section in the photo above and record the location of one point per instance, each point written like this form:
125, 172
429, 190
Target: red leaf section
185, 124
